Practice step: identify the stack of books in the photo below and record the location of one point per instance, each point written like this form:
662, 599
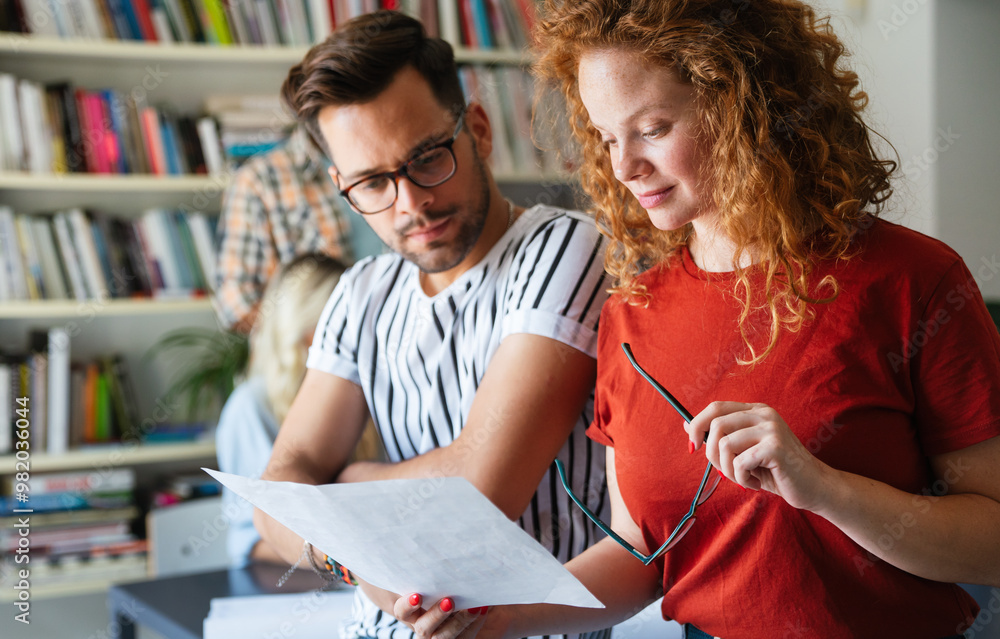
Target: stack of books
185, 487
506, 92
57, 128
80, 528
255, 22
82, 255
496, 24
71, 403
247, 124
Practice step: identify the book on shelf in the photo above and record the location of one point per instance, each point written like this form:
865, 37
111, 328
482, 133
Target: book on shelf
506, 95
245, 125
114, 563
38, 366
484, 24
75, 517
84, 481
13, 261
73, 542
81, 490
58, 390
29, 255
70, 258
52, 270
184, 487
82, 255
60, 128
72, 403
7, 399
66, 540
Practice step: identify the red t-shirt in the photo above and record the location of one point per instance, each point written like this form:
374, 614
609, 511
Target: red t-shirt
905, 363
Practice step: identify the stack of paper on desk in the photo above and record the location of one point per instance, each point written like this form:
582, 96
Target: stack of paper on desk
311, 615
437, 537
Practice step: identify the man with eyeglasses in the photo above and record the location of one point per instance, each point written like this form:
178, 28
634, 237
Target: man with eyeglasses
472, 344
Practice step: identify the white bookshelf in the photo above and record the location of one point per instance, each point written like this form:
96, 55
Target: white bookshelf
108, 307
92, 183
178, 75
122, 195
99, 456
80, 183
133, 51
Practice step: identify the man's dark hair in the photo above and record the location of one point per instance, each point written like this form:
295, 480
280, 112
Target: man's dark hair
359, 61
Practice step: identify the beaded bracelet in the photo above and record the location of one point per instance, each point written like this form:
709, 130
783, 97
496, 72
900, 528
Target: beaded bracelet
339, 571
331, 570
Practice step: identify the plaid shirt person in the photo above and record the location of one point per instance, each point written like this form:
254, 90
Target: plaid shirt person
281, 204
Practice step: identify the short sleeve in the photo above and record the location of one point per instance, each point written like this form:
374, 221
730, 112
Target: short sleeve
955, 366
334, 347
598, 430
558, 283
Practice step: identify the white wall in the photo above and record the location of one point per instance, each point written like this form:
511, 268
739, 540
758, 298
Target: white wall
968, 103
892, 51
930, 69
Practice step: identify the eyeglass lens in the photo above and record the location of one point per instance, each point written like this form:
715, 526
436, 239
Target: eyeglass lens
379, 191
709, 482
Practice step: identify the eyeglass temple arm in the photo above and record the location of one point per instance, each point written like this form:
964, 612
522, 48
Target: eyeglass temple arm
662, 391
600, 524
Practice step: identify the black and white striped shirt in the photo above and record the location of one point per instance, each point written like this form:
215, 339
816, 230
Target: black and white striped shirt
420, 359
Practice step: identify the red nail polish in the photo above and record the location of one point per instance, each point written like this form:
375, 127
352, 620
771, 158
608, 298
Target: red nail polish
484, 610
475, 611
415, 599
447, 605
690, 447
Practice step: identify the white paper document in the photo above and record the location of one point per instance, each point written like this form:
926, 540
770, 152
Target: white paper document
437, 537
311, 615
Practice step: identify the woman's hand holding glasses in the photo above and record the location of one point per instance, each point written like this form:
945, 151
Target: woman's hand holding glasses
752, 445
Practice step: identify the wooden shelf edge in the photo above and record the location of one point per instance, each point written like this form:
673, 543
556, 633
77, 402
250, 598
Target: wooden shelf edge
114, 455
534, 178
146, 51
198, 52
211, 185
111, 307
86, 587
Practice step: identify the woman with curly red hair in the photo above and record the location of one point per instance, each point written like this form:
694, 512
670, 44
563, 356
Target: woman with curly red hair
844, 369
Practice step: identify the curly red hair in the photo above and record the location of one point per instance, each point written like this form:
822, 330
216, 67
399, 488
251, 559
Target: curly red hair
793, 171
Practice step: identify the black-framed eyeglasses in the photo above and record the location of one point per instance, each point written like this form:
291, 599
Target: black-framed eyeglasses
709, 482
433, 166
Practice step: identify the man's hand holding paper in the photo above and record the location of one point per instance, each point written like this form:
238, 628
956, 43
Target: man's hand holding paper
438, 537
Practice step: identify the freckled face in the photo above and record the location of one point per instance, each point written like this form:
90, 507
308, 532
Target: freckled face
647, 119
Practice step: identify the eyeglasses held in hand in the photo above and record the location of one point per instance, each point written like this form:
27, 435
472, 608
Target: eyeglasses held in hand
432, 167
709, 482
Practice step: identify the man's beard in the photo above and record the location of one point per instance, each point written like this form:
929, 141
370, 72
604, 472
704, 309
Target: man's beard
443, 256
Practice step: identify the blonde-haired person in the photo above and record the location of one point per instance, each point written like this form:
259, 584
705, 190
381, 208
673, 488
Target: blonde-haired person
286, 321
842, 370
